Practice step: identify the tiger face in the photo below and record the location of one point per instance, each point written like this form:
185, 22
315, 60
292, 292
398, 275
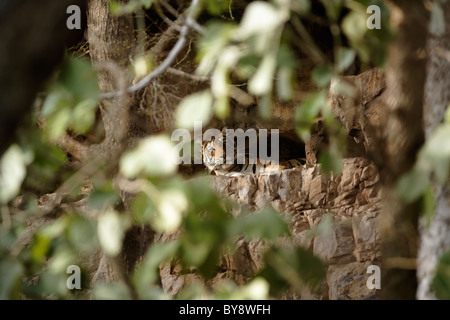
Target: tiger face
214, 156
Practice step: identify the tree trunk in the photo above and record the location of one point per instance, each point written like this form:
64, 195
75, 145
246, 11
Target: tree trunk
111, 43
434, 240
405, 77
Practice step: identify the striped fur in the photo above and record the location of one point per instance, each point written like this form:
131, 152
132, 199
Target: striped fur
214, 152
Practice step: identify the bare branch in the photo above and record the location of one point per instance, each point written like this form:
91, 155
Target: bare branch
242, 97
192, 11
174, 12
307, 44
74, 147
166, 37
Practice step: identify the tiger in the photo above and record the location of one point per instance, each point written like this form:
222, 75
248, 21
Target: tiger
215, 160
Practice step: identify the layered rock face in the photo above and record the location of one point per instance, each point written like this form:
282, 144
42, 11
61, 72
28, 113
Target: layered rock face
348, 246
351, 200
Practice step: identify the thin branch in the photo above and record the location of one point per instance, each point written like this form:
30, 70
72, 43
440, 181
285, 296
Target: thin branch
192, 11
163, 16
198, 28
194, 77
120, 271
242, 97
401, 263
442, 53
307, 44
169, 8
166, 37
77, 149
229, 10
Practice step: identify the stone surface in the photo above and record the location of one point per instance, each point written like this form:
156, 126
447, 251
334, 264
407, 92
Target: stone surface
337, 244
348, 247
348, 281
367, 236
353, 200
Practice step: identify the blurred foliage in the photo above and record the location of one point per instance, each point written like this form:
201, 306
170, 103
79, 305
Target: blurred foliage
72, 101
441, 281
432, 168
256, 50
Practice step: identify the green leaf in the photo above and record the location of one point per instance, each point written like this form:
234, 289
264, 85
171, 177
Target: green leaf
43, 173
200, 193
102, 197
115, 7
59, 98
260, 18
292, 268
147, 273
354, 25
80, 79
142, 209
343, 87
10, 274
195, 107
302, 7
83, 116
52, 284
154, 156
267, 224
307, 112
284, 83
331, 162
428, 204
447, 115
82, 234
13, 169
333, 8
438, 146
58, 123
222, 107
60, 260
40, 248
111, 291
55, 229
345, 58
204, 238
212, 44
286, 58
265, 107
437, 23
323, 227
195, 253
143, 65
111, 232
441, 281
261, 82
216, 7
132, 6
257, 289
247, 66
436, 152
412, 185
171, 206
322, 76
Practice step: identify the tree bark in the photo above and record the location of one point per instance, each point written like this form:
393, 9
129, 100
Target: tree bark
111, 43
434, 240
405, 77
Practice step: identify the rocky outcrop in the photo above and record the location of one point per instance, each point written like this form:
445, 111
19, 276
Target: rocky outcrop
348, 246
